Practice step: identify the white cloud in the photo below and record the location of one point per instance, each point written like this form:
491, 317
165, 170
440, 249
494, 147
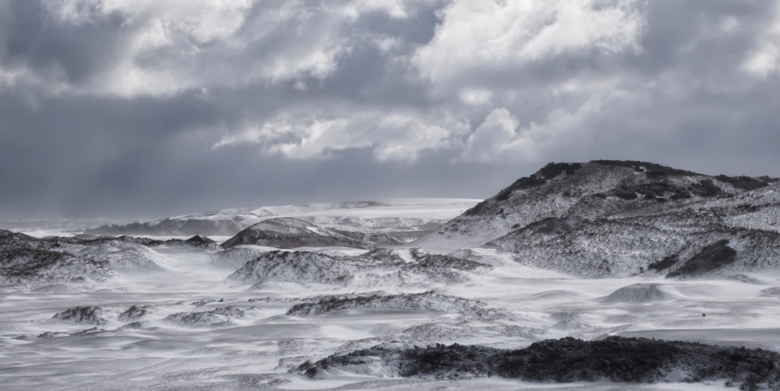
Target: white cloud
475, 96
176, 45
396, 136
764, 60
491, 137
501, 138
481, 36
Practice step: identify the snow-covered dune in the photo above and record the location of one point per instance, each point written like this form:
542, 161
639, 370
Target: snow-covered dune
642, 293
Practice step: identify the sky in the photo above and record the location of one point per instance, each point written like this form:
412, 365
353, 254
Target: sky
129, 108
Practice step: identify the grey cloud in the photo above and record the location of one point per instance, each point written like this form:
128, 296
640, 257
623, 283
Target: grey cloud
84, 149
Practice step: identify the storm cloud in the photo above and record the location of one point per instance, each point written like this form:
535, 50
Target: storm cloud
145, 107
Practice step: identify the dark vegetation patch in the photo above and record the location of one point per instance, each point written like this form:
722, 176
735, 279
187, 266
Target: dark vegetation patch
547, 172
664, 263
554, 225
630, 360
27, 262
746, 182
652, 170
552, 170
520, 184
663, 190
540, 178
380, 257
476, 209
706, 188
20, 266
708, 259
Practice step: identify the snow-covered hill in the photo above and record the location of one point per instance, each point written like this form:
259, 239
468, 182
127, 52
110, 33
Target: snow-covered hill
600, 189
623, 218
726, 235
381, 268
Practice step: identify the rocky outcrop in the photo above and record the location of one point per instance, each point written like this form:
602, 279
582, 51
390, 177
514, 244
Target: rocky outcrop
82, 315
135, 313
625, 360
299, 267
288, 233
427, 301
218, 317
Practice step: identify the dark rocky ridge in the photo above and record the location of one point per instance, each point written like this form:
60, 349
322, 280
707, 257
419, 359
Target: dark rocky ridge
134, 313
82, 315
10, 239
627, 360
426, 301
288, 233
218, 317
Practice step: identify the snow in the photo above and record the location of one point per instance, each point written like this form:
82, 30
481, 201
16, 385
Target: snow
200, 330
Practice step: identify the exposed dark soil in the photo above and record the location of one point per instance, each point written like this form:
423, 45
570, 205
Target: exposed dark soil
708, 259
630, 360
664, 263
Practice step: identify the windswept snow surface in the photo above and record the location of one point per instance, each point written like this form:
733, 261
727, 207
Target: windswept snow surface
184, 327
115, 314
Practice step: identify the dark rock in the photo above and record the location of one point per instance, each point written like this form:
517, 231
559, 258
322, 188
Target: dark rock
200, 239
82, 315
134, 313
710, 258
629, 360
218, 317
664, 263
93, 330
134, 325
554, 226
